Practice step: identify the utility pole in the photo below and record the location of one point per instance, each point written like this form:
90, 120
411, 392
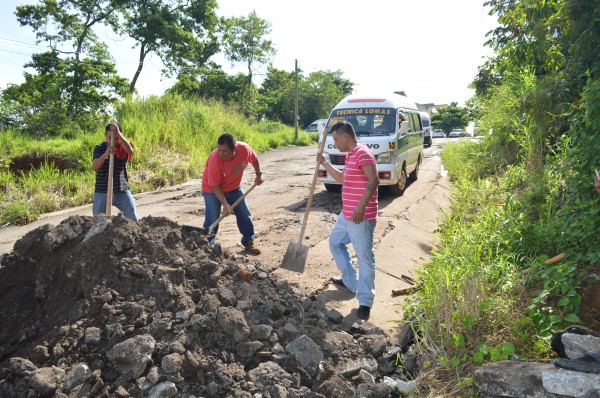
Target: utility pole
296, 102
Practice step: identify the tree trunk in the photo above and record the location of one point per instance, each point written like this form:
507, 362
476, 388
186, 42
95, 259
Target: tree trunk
143, 54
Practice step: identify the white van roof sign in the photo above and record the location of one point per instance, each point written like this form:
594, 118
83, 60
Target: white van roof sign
366, 100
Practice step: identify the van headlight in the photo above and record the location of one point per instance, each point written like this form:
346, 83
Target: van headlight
386, 158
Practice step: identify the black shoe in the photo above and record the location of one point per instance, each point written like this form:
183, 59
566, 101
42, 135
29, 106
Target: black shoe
363, 312
337, 281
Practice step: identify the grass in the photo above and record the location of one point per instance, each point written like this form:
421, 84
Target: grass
487, 293
173, 137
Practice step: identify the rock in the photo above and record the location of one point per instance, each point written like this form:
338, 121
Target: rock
381, 390
556, 339
365, 377
577, 345
76, 376
184, 315
335, 316
352, 367
100, 224
171, 363
306, 352
512, 379
261, 332
178, 260
131, 357
40, 354
290, 331
268, 374
21, 365
227, 297
246, 349
46, 380
336, 387
151, 378
92, 335
166, 389
233, 322
121, 392
569, 383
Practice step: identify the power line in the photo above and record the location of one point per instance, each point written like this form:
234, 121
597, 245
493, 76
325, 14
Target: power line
257, 70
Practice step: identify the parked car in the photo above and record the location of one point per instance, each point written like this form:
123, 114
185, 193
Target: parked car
426, 125
457, 133
314, 126
438, 133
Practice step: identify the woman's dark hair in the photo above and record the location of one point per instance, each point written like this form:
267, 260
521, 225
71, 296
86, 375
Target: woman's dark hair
110, 124
227, 139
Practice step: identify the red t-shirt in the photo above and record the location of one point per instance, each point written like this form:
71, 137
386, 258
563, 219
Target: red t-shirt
355, 183
227, 173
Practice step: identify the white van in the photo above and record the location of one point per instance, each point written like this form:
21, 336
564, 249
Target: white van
427, 131
390, 126
316, 126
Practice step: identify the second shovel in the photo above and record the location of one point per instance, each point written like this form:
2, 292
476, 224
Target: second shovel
295, 256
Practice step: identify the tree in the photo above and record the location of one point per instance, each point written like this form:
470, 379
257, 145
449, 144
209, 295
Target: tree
276, 96
78, 71
182, 33
450, 117
245, 41
318, 94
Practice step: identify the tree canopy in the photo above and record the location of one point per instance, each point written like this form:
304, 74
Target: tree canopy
75, 82
450, 117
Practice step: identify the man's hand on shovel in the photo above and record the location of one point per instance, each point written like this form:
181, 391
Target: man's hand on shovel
226, 211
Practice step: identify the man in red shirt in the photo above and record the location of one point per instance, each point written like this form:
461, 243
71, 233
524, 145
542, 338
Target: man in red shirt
221, 186
356, 223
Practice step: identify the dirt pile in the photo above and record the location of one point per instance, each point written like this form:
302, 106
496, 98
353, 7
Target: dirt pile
111, 308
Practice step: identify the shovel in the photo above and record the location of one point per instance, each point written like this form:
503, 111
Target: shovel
237, 202
295, 256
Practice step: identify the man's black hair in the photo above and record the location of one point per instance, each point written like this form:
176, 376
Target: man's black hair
344, 127
227, 139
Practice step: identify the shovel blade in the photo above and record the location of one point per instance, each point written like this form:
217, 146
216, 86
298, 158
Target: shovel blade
295, 257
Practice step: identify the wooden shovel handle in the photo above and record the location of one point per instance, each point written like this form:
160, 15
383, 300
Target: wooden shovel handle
111, 167
237, 202
312, 189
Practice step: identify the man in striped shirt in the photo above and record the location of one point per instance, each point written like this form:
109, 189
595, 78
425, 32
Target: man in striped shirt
356, 223
123, 151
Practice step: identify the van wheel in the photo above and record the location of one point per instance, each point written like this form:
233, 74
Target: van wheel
415, 173
333, 188
400, 186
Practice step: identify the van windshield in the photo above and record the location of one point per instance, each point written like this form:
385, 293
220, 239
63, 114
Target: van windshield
367, 121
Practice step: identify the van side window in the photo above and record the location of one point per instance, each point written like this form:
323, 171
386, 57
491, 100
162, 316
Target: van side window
419, 122
415, 124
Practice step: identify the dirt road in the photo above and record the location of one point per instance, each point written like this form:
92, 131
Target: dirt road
403, 236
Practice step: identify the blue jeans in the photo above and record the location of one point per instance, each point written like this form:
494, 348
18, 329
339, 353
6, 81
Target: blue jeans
241, 211
361, 236
122, 200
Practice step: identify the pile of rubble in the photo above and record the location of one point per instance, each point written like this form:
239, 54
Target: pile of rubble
105, 307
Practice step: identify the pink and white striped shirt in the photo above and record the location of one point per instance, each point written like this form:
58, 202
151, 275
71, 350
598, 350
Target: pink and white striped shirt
355, 183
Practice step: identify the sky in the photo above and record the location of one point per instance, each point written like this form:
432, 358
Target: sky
430, 49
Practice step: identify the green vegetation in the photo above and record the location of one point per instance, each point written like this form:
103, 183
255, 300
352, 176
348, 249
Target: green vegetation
450, 117
172, 135
523, 194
